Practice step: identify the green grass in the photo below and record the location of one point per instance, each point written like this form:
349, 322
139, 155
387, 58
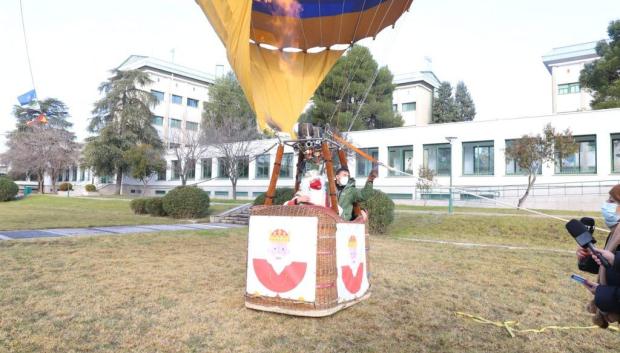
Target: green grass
495, 210
43, 211
183, 292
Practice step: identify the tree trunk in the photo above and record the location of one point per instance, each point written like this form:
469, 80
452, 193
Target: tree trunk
531, 179
119, 181
54, 178
234, 188
41, 181
183, 180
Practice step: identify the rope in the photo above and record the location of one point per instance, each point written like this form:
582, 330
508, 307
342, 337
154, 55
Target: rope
511, 326
21, 11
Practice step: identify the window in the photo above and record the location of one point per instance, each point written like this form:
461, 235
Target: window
615, 153
67, 174
569, 88
74, 174
207, 165
177, 99
478, 158
175, 123
191, 170
243, 170
157, 120
400, 158
191, 125
286, 169
438, 158
82, 174
262, 166
364, 166
581, 162
409, 107
512, 168
175, 168
160, 192
394, 107
159, 96
161, 175
192, 102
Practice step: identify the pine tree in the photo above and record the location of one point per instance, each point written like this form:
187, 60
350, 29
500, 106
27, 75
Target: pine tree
443, 105
56, 112
603, 75
341, 94
464, 105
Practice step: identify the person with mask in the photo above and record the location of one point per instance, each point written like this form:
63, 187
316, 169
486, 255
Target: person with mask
606, 303
348, 194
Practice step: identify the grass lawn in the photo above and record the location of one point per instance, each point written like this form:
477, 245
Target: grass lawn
444, 209
46, 211
183, 292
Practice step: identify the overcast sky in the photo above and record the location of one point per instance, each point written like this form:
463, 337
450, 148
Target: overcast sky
494, 46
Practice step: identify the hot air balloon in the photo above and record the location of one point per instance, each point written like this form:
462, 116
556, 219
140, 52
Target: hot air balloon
281, 50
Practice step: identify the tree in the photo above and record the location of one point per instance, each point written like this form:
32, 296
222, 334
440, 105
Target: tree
426, 180
188, 146
229, 127
56, 112
144, 161
602, 76
122, 120
531, 152
464, 106
444, 109
356, 93
41, 149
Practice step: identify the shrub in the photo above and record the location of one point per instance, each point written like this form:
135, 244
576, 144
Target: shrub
380, 210
8, 189
186, 202
155, 207
282, 195
66, 187
90, 188
138, 205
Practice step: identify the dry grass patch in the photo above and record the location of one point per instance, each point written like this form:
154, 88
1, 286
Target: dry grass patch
183, 292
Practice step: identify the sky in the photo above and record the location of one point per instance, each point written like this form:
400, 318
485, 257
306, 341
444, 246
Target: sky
495, 47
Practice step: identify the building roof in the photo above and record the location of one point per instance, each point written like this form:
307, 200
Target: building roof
138, 62
414, 77
570, 53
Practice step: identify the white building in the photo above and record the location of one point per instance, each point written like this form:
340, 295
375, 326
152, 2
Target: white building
475, 159
565, 65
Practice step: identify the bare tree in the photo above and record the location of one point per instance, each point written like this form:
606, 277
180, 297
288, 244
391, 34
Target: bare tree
426, 181
41, 149
188, 147
234, 141
531, 152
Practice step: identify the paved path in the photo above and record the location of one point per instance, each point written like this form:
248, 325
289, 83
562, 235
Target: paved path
111, 230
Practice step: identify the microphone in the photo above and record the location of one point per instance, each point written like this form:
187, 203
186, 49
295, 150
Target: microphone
584, 238
589, 222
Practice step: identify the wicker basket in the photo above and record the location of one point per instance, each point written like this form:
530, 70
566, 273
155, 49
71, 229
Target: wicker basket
326, 297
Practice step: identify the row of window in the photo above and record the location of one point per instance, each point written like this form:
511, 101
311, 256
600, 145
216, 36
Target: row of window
569, 88
406, 107
478, 159
174, 123
175, 99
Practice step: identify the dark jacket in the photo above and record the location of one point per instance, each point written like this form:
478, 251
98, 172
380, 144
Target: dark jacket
607, 297
349, 194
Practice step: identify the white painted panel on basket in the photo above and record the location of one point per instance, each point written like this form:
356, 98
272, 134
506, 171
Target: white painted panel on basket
282, 257
351, 261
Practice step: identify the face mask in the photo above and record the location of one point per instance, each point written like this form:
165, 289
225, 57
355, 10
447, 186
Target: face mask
343, 181
609, 213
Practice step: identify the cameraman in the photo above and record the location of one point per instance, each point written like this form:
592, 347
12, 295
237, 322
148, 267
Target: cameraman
606, 303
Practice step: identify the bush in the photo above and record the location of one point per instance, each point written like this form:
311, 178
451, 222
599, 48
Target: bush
282, 195
380, 210
8, 189
90, 188
66, 187
155, 207
138, 205
186, 202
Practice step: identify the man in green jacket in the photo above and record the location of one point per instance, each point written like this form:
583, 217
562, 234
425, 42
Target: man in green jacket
348, 194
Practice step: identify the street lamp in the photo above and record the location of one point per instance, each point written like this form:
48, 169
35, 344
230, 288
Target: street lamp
450, 206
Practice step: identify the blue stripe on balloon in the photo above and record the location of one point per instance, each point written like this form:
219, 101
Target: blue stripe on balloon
318, 8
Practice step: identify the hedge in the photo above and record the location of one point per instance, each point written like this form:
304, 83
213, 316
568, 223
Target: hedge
186, 202
90, 188
155, 207
66, 187
282, 195
8, 189
138, 206
380, 210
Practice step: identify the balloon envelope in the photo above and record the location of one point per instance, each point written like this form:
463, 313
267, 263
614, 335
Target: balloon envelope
281, 50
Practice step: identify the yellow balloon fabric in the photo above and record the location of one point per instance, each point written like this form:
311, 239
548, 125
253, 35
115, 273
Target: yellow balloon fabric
279, 83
